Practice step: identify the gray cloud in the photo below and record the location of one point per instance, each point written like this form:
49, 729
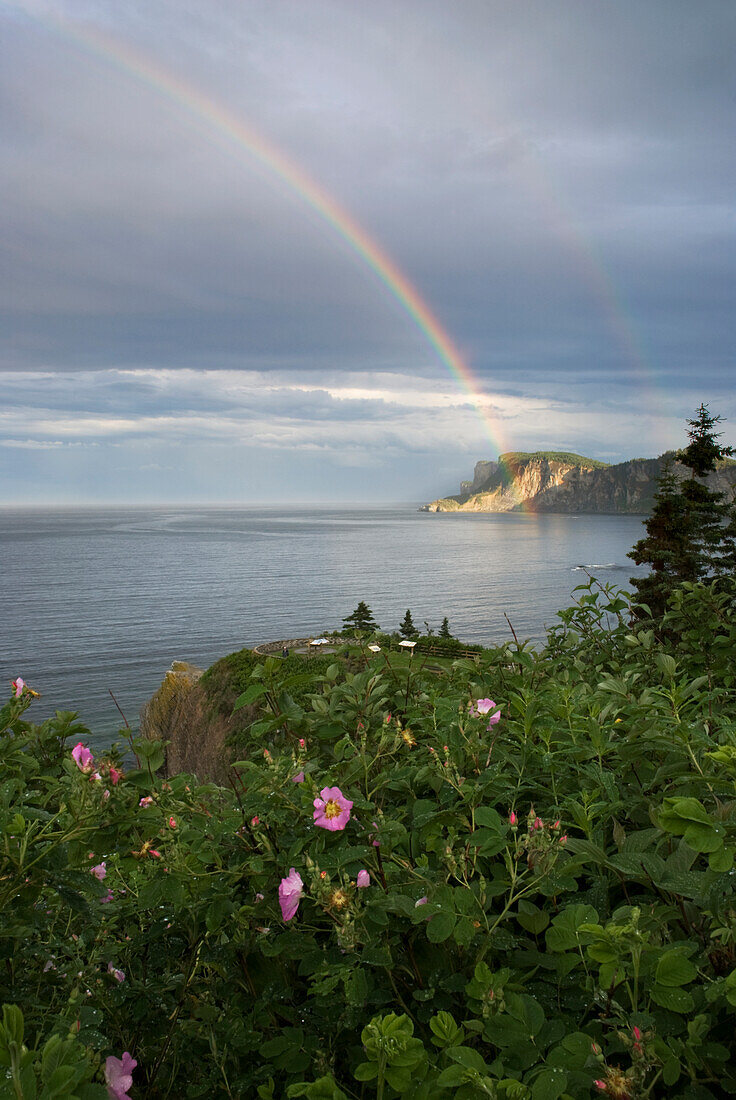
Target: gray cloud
556, 179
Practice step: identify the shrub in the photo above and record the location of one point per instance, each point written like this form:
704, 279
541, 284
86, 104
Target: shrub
537, 904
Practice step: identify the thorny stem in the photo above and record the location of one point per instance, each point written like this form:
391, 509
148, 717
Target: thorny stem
127, 726
508, 620
175, 1015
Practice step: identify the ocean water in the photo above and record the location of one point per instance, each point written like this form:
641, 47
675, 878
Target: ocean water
96, 600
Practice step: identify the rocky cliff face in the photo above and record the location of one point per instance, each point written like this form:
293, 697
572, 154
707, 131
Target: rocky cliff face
193, 711
548, 484
180, 713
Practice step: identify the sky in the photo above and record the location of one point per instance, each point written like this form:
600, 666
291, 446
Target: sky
552, 182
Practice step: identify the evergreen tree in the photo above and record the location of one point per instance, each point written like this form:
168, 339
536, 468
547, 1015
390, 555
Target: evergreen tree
407, 628
445, 629
711, 537
667, 546
728, 551
361, 619
686, 538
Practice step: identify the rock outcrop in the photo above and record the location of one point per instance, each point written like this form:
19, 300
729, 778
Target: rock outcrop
557, 482
181, 713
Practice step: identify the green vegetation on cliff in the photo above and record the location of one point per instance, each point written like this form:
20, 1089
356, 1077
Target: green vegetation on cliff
509, 876
568, 458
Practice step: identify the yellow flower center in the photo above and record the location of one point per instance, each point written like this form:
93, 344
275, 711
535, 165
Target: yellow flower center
332, 808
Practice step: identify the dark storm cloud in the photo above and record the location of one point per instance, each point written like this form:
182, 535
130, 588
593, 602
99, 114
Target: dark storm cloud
556, 178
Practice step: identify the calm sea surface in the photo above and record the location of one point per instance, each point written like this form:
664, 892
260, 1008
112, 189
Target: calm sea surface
94, 599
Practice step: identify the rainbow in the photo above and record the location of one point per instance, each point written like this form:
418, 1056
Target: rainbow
232, 132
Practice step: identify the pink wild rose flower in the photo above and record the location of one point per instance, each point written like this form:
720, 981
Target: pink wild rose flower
364, 879
115, 775
17, 686
291, 889
118, 975
119, 1076
332, 809
484, 706
298, 778
99, 871
82, 757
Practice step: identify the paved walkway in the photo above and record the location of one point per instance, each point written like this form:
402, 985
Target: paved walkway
296, 645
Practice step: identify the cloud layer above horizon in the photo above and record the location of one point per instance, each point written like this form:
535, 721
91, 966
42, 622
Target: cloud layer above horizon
555, 180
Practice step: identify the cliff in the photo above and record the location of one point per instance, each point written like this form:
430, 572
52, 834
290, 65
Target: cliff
192, 711
562, 482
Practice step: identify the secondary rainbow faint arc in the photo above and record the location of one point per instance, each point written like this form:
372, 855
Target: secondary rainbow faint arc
228, 126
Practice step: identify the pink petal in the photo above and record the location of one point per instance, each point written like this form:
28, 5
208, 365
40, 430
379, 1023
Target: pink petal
291, 889
119, 1076
340, 820
82, 757
481, 706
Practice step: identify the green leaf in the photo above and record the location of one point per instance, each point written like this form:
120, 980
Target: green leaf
666, 665
671, 1070
505, 1031
440, 927
324, 1088
28, 1083
490, 818
676, 1000
366, 1071
550, 1084
683, 809
255, 691
55, 1053
356, 987
466, 1056
398, 1078
58, 1083
566, 931
675, 969
276, 1046
452, 1076
445, 1031
12, 1024
376, 955
531, 918
721, 860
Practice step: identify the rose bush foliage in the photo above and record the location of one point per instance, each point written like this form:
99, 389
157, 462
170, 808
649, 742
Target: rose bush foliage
538, 908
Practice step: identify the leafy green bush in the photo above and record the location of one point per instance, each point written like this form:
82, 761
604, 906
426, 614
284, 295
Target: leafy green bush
402, 893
